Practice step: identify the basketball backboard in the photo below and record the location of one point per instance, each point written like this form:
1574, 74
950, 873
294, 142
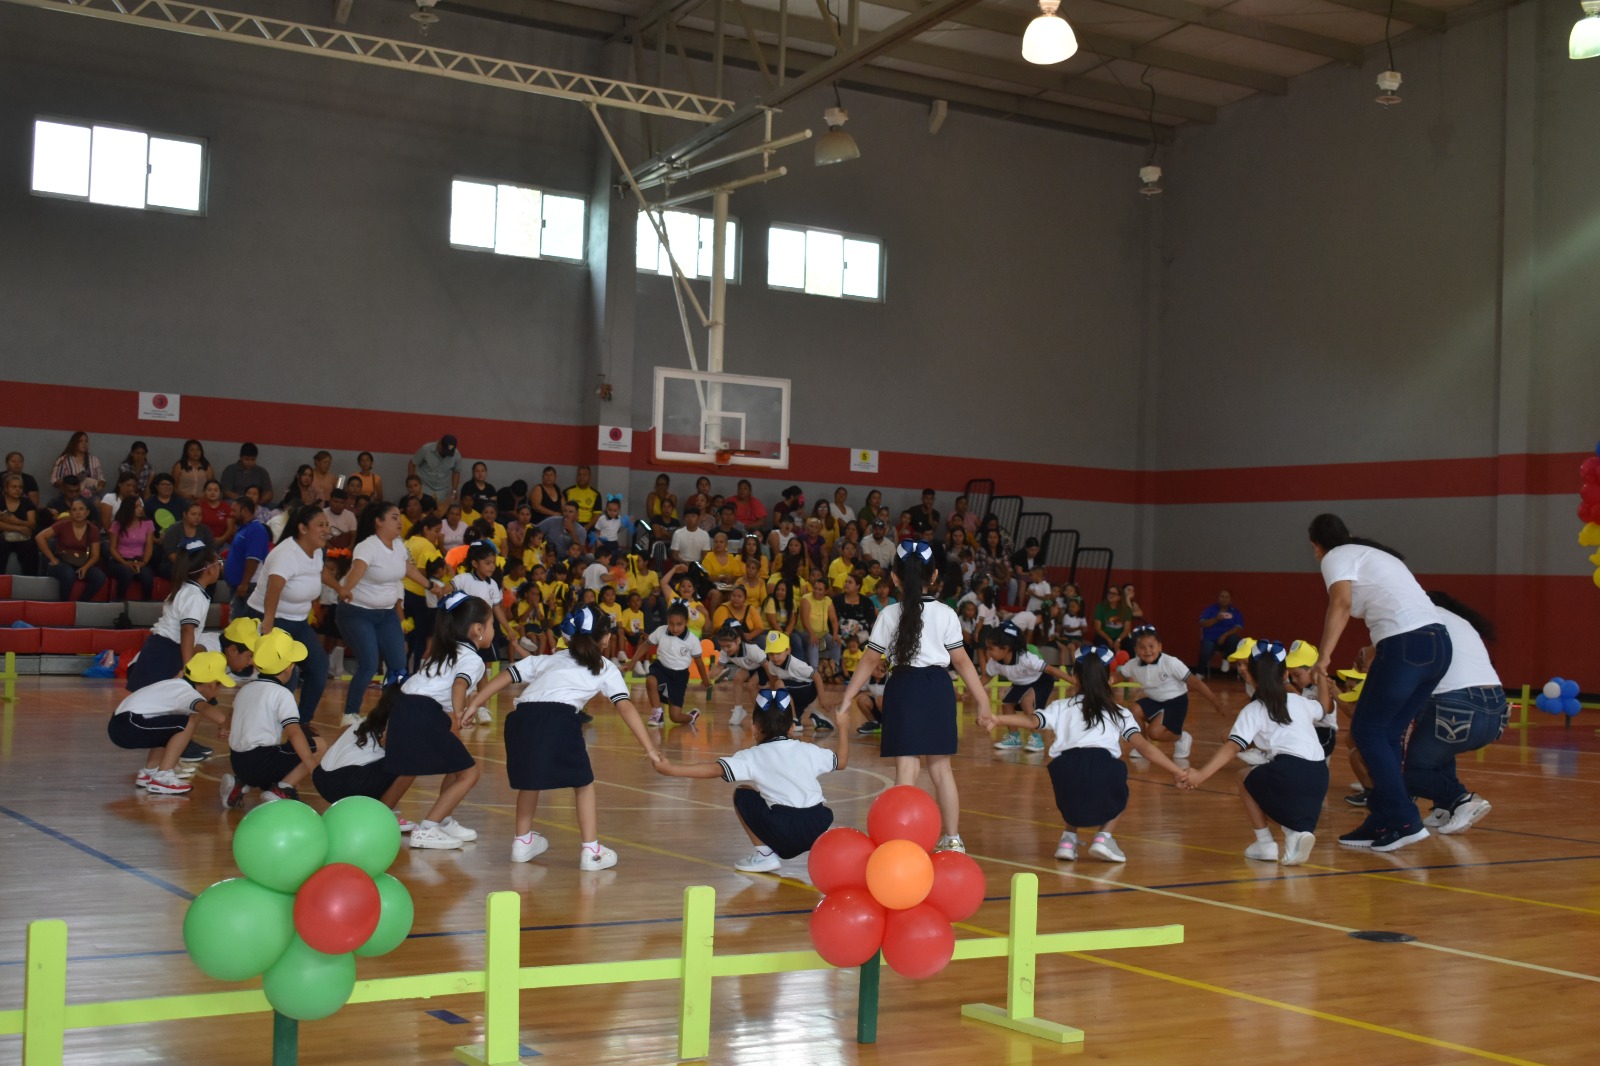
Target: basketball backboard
734, 419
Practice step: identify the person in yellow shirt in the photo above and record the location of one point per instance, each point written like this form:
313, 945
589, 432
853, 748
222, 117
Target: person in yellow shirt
722, 566
754, 584
529, 621
423, 547
852, 655
698, 618
638, 577
493, 530
819, 621
843, 566
608, 604
739, 609
631, 623
585, 496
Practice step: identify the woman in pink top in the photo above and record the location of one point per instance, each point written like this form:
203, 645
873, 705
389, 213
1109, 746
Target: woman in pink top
130, 546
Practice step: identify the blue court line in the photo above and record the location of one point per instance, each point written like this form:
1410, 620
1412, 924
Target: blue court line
127, 868
448, 1017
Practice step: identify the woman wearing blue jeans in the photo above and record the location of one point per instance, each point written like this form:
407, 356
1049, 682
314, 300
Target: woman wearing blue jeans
371, 601
288, 583
1466, 712
1369, 581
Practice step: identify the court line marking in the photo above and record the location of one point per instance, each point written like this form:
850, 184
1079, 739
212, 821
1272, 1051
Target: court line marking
1242, 909
93, 852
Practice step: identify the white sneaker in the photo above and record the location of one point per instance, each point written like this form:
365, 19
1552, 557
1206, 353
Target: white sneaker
739, 714
184, 771
757, 863
143, 778
1227, 667
1105, 847
457, 830
483, 717
1067, 847
522, 851
1437, 817
1297, 847
1254, 756
656, 716
1466, 815
406, 824
640, 669
167, 783
951, 843
1009, 742
1185, 744
433, 837
350, 720
604, 859
1265, 850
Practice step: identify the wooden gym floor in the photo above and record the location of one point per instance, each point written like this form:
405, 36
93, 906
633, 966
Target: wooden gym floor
1507, 915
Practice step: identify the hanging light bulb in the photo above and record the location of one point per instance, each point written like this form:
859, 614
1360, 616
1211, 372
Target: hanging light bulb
836, 146
1151, 176
1389, 87
1585, 41
1048, 38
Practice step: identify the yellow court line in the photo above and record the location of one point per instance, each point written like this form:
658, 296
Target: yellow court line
1339, 1019
1242, 909
1478, 892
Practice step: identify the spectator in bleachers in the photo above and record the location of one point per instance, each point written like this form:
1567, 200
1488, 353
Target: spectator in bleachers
992, 521
342, 519
750, 552
216, 512
131, 548
71, 550
75, 460
878, 545
249, 547
57, 506
438, 467
423, 544
854, 612
659, 495
961, 518
289, 582
990, 559
1221, 630
818, 623
828, 526
127, 488
1112, 620
246, 474
300, 492
30, 487
700, 499
323, 479
748, 511
371, 480
138, 464
164, 506
477, 493
191, 527
454, 529
564, 530
414, 493
793, 503
780, 535
924, 516
778, 608
546, 496
869, 507
728, 522
192, 470
690, 544
585, 495
793, 565
520, 529
512, 496
18, 523
839, 508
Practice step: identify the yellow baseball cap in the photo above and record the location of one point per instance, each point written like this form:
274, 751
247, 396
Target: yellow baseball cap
246, 631
1242, 652
777, 643
276, 651
207, 666
1301, 653
1354, 695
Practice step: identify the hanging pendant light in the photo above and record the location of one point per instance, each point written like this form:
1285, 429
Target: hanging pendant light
836, 146
1585, 40
1049, 39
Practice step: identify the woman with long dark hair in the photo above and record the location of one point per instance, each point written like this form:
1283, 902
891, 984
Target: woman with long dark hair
288, 583
192, 470
921, 639
1370, 581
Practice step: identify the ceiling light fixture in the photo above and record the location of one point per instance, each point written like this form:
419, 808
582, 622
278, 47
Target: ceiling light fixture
1151, 176
1049, 39
1389, 80
836, 146
424, 15
1585, 41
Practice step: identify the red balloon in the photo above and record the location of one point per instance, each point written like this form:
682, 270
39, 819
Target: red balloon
958, 886
1590, 469
839, 859
1591, 492
1588, 512
905, 812
847, 927
337, 908
918, 942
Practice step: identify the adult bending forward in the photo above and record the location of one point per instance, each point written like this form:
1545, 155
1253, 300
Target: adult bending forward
287, 585
1369, 581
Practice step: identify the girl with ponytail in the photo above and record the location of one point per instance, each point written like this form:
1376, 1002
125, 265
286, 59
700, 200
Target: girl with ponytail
921, 639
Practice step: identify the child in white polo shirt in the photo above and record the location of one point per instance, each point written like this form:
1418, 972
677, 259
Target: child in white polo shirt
159, 719
270, 751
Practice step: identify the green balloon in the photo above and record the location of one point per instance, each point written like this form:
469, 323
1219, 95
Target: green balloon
363, 833
394, 920
306, 985
281, 844
237, 929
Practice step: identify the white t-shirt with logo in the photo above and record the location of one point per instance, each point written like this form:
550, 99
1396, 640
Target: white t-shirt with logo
675, 653
784, 771
941, 634
347, 752
1165, 679
188, 607
560, 678
1298, 738
174, 696
1064, 718
1027, 668
438, 683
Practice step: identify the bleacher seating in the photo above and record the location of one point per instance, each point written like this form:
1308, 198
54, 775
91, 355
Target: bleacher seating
52, 637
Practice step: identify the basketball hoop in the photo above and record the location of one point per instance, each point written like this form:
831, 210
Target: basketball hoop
724, 456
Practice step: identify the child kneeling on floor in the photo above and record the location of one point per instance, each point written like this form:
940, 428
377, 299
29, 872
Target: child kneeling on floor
270, 751
356, 764
159, 719
779, 799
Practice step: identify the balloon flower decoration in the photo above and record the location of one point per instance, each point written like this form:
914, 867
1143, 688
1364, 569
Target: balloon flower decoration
1559, 696
314, 895
886, 888
1589, 508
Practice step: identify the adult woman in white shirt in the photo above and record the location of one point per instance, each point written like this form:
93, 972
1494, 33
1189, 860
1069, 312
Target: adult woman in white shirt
1369, 581
371, 601
289, 581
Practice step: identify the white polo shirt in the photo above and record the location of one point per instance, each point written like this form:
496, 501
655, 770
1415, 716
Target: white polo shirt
1383, 593
1027, 668
380, 586
1165, 679
1064, 718
261, 711
302, 576
784, 771
794, 672
560, 678
188, 607
941, 633
675, 653
438, 683
486, 589
749, 657
347, 752
1469, 659
1298, 738
175, 696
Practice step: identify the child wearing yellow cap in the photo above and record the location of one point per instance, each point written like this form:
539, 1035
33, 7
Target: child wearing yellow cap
159, 719
269, 750
796, 677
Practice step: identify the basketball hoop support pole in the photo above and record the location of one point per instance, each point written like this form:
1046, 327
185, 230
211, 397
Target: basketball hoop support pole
719, 305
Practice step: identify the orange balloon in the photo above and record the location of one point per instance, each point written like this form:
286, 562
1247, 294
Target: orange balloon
900, 874
707, 648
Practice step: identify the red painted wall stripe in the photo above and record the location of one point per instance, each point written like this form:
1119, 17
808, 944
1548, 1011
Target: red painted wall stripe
215, 419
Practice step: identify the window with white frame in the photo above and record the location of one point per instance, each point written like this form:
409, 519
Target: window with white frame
118, 166
693, 243
825, 263
516, 220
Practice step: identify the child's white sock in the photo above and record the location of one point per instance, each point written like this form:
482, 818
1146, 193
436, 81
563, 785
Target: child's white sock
592, 845
429, 823
763, 851
527, 838
284, 784
1264, 836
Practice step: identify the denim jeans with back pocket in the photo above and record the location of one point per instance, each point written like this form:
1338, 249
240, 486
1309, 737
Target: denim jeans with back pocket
1453, 723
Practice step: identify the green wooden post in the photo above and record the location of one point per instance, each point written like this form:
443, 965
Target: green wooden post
694, 1002
867, 1001
285, 1041
502, 985
44, 996
10, 675
1022, 959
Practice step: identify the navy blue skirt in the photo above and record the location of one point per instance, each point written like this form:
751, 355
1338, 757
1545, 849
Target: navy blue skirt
789, 831
418, 741
1328, 738
159, 660
919, 712
545, 748
1173, 713
1290, 790
1091, 786
372, 779
673, 684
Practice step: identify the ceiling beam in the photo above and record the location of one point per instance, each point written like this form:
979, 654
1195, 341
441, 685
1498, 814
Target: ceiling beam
1015, 22
983, 66
668, 11
1424, 18
662, 164
1224, 21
